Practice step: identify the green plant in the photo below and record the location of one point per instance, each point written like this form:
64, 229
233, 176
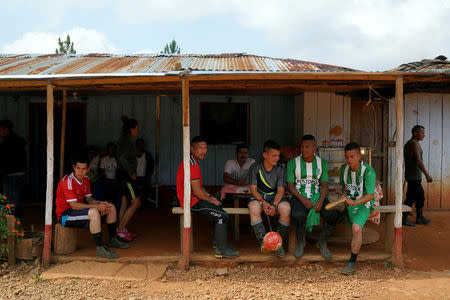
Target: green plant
7, 209
37, 277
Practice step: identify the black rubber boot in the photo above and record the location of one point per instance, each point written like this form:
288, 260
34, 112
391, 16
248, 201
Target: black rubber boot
325, 233
420, 219
283, 232
300, 234
214, 243
260, 232
222, 251
405, 221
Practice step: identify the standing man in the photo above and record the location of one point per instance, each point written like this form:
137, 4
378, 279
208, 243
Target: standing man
358, 185
307, 180
414, 168
236, 170
73, 211
202, 202
267, 185
13, 163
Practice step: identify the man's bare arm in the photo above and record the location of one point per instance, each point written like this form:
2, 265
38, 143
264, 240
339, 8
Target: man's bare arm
306, 202
362, 200
323, 194
228, 179
202, 194
415, 150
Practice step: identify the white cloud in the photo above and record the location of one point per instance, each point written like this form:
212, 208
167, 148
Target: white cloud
369, 35
145, 51
85, 41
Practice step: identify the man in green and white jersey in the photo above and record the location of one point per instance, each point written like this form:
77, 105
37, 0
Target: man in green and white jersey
307, 181
358, 182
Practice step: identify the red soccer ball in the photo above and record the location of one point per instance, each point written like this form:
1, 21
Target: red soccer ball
273, 241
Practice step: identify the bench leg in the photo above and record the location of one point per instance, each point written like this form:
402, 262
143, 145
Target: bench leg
389, 234
236, 220
182, 234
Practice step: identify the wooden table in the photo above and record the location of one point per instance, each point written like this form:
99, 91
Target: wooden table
238, 192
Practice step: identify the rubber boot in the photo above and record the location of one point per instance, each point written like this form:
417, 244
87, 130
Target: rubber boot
300, 233
282, 230
405, 220
220, 232
325, 233
349, 268
214, 243
260, 232
420, 219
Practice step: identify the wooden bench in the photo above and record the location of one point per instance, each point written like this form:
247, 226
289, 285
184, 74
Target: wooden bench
389, 210
229, 210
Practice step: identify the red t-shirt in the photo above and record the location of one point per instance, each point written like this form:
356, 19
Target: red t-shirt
70, 189
195, 174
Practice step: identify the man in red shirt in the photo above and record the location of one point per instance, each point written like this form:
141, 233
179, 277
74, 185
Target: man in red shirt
202, 202
73, 211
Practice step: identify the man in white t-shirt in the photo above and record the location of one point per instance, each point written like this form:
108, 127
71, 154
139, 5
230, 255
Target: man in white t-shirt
108, 167
236, 170
108, 164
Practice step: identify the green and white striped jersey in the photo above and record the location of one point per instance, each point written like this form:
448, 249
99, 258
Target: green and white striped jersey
307, 176
359, 183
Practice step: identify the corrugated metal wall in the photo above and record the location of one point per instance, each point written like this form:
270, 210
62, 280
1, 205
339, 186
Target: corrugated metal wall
433, 112
270, 117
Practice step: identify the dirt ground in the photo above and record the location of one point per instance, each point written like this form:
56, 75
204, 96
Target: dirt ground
426, 276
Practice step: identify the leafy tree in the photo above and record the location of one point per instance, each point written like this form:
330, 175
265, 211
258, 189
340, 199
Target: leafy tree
171, 48
65, 46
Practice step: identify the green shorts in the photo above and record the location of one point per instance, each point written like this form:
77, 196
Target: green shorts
358, 214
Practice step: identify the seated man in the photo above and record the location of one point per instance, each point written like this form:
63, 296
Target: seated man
358, 184
267, 181
236, 170
307, 181
202, 202
72, 211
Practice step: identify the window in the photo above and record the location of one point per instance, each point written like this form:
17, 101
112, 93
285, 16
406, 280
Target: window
224, 123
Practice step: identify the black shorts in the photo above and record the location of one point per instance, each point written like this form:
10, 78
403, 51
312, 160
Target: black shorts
75, 218
269, 199
210, 211
300, 213
130, 189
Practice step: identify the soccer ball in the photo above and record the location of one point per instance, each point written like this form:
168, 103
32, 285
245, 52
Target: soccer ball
273, 241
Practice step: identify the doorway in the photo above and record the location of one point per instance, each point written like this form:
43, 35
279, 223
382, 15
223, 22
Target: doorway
75, 140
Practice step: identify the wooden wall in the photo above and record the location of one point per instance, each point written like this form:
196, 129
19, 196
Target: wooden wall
324, 111
433, 112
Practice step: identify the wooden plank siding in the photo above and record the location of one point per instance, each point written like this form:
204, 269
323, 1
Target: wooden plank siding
432, 111
324, 111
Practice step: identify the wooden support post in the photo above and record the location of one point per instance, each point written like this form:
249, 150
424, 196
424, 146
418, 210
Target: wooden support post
187, 174
63, 135
397, 257
157, 131
11, 224
50, 166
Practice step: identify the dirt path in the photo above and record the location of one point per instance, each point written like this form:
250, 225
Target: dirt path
427, 276
309, 281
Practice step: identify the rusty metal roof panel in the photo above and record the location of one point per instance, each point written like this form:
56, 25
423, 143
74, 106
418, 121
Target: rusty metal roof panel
157, 63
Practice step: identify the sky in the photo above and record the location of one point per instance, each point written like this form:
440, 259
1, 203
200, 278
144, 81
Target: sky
365, 35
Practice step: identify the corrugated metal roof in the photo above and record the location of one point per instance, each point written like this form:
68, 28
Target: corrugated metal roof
160, 63
438, 65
